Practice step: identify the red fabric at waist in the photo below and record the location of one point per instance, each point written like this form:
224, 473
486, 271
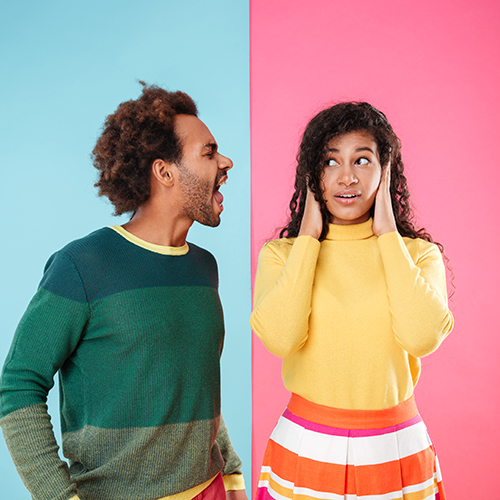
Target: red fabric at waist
352, 419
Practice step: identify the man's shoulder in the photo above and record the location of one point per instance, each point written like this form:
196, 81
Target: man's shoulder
99, 240
202, 255
63, 270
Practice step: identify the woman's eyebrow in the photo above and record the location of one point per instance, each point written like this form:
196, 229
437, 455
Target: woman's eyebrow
365, 148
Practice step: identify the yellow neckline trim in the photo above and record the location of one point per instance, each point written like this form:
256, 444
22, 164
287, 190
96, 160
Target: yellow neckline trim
164, 250
351, 231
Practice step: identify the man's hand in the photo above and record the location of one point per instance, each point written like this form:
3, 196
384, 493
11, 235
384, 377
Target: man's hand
383, 219
236, 495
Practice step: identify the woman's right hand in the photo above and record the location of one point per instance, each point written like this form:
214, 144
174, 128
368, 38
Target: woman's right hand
312, 221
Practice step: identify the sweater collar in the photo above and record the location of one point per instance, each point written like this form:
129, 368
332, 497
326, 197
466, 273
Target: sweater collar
164, 250
350, 232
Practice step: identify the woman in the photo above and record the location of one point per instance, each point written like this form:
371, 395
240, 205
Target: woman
351, 297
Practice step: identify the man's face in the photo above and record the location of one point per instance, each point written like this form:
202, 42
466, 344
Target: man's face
202, 171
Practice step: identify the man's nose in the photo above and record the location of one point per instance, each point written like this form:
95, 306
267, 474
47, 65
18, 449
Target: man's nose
225, 162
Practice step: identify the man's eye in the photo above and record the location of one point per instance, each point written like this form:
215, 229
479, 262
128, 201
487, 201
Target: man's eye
363, 161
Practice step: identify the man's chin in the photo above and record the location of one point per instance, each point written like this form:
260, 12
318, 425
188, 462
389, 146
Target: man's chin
210, 222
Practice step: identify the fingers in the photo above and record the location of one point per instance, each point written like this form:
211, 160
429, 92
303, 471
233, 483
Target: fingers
387, 170
312, 220
311, 203
383, 221
310, 198
385, 178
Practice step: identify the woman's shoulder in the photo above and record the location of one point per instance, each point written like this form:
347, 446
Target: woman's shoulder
419, 248
279, 246
280, 242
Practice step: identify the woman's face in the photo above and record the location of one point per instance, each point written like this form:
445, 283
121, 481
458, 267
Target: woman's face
351, 177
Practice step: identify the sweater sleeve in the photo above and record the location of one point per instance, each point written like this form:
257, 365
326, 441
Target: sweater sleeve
417, 294
232, 476
46, 336
282, 295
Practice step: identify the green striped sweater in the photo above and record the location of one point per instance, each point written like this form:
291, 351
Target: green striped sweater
135, 332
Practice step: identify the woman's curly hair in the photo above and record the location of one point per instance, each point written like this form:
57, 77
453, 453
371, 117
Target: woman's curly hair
332, 122
133, 137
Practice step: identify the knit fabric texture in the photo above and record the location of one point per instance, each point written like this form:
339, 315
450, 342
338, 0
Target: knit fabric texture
136, 336
352, 315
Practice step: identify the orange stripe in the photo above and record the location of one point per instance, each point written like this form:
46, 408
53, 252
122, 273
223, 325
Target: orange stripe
418, 467
305, 473
442, 494
376, 479
352, 419
391, 476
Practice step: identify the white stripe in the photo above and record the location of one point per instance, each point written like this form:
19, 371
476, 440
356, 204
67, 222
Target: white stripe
413, 439
299, 491
310, 444
321, 495
387, 496
278, 479
366, 450
373, 450
304, 491
439, 477
418, 487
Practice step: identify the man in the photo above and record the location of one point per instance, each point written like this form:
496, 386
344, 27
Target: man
131, 319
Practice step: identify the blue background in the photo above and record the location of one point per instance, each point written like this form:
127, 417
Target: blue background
65, 65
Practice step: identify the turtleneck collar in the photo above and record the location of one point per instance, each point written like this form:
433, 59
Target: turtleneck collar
350, 232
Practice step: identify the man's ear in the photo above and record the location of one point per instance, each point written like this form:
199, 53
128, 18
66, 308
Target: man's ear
163, 172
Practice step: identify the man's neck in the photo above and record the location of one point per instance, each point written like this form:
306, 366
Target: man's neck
160, 227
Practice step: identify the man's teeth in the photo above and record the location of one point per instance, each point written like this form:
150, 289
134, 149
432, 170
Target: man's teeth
220, 183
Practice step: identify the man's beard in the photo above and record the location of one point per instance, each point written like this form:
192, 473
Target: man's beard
198, 197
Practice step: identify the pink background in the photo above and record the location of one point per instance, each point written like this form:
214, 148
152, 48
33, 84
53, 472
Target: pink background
433, 68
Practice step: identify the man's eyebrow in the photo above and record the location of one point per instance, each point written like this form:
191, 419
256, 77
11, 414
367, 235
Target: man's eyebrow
211, 145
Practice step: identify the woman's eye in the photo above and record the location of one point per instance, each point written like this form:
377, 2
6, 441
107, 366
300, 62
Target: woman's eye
363, 161
331, 163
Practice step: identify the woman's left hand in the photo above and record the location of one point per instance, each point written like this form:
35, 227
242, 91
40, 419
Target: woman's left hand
383, 219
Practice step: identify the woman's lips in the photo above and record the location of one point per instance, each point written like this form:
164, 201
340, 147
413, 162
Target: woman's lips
347, 197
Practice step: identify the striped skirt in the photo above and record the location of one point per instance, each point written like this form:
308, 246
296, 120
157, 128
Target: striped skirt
317, 452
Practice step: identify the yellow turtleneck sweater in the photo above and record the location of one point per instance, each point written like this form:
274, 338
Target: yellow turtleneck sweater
352, 315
